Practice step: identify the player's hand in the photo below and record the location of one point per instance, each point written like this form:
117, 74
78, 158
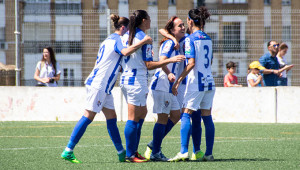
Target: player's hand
174, 89
148, 39
171, 77
176, 46
177, 58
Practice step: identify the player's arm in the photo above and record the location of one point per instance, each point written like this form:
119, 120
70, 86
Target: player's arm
167, 35
156, 64
171, 76
186, 71
131, 49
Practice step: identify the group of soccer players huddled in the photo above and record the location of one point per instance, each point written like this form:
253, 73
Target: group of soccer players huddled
182, 87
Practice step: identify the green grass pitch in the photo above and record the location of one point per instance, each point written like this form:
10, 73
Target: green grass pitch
38, 145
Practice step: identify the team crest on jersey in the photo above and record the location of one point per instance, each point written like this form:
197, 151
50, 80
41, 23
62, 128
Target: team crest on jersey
149, 51
167, 47
187, 46
202, 36
98, 103
167, 103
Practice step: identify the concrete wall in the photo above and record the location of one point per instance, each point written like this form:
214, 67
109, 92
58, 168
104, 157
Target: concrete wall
252, 105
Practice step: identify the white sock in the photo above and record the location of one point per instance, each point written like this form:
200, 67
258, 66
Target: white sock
68, 149
120, 151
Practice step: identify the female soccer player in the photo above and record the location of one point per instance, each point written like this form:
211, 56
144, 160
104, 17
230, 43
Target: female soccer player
196, 116
165, 103
99, 85
200, 88
134, 81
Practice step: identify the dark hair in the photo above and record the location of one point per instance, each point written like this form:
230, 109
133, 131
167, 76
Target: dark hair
170, 25
136, 20
283, 46
199, 16
269, 43
52, 57
230, 64
188, 31
119, 21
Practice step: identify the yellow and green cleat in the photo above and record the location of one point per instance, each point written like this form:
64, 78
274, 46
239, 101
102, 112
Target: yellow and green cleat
198, 156
69, 156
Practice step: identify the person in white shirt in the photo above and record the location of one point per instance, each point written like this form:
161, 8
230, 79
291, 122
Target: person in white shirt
254, 79
282, 80
99, 84
47, 71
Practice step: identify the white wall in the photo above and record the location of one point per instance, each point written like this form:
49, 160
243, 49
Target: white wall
251, 105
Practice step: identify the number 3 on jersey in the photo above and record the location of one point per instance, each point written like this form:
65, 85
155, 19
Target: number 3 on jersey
206, 55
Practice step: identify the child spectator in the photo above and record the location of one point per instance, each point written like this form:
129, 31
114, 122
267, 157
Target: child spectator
230, 80
254, 79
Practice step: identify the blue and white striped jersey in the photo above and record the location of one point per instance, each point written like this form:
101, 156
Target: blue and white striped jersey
107, 65
160, 78
199, 46
135, 71
183, 64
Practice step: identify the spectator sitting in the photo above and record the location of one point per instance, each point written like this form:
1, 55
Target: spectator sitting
230, 80
254, 79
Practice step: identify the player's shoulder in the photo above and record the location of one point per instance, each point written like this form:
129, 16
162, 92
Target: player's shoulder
114, 36
200, 35
168, 42
139, 34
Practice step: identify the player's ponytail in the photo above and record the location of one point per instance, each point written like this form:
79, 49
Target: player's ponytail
119, 21
135, 20
199, 16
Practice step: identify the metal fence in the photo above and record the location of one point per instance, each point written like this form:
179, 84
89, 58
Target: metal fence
238, 35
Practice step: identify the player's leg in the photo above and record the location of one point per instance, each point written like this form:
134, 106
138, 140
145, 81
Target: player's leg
158, 135
76, 135
206, 106
196, 135
113, 131
140, 112
131, 130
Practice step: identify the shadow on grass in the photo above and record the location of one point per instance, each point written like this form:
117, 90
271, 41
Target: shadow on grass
245, 160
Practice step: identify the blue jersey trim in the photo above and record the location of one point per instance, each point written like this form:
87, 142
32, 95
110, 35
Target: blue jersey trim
154, 84
112, 76
90, 80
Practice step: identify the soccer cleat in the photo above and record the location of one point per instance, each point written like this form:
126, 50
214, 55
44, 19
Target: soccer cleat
180, 157
135, 159
208, 158
122, 156
158, 157
69, 156
138, 155
198, 156
148, 152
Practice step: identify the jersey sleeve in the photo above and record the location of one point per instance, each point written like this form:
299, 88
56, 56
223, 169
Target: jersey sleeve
119, 46
189, 48
147, 52
167, 48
